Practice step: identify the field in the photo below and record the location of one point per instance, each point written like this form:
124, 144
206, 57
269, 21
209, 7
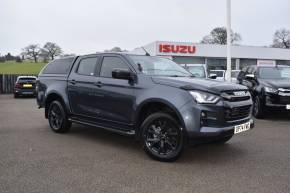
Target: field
25, 67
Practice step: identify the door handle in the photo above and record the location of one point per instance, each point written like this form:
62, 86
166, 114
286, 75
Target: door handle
73, 82
98, 84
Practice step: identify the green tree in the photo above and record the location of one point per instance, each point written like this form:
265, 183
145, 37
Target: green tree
281, 39
219, 36
32, 52
51, 50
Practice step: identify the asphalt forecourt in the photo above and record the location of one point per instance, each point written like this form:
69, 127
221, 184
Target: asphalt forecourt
35, 159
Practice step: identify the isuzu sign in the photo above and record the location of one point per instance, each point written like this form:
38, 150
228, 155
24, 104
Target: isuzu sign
177, 49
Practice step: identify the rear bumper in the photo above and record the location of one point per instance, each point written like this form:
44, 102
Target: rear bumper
25, 91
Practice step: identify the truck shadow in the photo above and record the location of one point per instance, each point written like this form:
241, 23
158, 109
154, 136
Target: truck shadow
202, 153
213, 153
104, 137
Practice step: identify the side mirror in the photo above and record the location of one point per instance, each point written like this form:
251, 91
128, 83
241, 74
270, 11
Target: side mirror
212, 76
122, 74
250, 77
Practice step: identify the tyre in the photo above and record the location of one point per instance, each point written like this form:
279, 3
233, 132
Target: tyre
223, 140
162, 137
57, 118
258, 110
16, 95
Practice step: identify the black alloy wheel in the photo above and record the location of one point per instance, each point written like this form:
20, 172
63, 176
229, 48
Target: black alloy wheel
162, 137
257, 108
57, 118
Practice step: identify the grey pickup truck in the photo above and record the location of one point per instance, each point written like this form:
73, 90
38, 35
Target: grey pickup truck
151, 98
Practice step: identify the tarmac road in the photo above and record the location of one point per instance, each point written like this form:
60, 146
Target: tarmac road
88, 160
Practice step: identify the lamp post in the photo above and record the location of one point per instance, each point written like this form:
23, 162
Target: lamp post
229, 42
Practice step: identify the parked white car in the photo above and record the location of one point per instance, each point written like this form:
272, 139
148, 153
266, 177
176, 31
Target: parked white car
221, 75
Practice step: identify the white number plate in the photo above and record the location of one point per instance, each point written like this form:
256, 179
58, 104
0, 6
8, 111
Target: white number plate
288, 107
242, 128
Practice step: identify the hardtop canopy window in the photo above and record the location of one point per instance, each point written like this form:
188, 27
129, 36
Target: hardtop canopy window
274, 73
59, 66
157, 66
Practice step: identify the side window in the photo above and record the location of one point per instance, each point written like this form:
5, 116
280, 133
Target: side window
110, 63
87, 66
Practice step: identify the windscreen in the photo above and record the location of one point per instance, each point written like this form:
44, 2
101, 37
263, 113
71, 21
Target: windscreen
274, 73
158, 66
197, 71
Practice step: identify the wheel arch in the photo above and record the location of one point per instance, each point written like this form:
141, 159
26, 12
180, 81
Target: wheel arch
150, 106
52, 96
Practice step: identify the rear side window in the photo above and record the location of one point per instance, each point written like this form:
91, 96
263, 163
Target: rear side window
87, 66
59, 66
27, 78
110, 63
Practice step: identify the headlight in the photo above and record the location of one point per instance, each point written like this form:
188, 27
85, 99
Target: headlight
204, 98
270, 90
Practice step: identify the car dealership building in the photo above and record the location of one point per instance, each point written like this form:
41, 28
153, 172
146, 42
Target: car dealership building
215, 55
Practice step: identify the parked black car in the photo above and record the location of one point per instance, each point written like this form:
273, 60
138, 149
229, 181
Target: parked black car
151, 98
25, 86
269, 85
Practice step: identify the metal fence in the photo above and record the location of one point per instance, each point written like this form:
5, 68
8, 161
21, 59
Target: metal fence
7, 82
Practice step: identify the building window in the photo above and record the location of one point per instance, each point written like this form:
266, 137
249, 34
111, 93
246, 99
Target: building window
247, 62
283, 62
219, 64
188, 60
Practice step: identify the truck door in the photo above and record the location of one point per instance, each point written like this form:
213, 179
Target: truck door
82, 87
116, 96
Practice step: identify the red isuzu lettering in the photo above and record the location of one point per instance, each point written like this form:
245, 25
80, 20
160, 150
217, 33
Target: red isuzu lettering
183, 49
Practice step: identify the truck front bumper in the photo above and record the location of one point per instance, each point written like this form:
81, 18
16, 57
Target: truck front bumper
223, 131
215, 120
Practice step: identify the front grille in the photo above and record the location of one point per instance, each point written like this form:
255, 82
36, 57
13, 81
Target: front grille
236, 113
235, 96
285, 100
284, 90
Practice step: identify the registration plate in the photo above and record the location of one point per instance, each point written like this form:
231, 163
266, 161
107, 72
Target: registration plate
27, 85
242, 127
288, 107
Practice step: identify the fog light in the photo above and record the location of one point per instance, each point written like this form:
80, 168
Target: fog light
203, 119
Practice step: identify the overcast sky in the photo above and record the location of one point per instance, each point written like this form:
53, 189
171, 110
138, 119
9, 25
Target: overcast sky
87, 26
